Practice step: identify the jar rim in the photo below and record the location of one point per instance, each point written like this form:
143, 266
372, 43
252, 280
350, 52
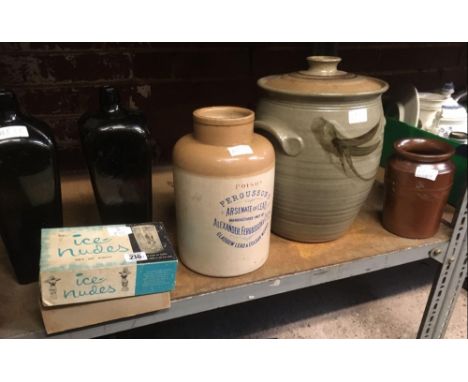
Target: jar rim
223, 115
424, 150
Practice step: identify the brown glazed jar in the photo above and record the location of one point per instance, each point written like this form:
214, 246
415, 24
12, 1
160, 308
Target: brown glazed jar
223, 181
418, 179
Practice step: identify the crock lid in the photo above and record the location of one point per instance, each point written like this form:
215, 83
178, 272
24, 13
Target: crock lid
323, 79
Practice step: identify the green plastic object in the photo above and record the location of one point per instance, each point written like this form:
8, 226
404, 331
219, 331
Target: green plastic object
395, 130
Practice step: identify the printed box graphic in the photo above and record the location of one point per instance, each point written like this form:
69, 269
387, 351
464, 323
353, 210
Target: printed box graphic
82, 264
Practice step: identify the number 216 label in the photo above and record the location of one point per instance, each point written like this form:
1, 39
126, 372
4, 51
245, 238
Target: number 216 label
134, 257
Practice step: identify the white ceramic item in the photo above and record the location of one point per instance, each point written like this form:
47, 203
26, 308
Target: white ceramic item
454, 116
430, 111
402, 102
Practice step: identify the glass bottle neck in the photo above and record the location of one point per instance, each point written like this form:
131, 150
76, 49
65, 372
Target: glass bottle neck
109, 100
110, 108
8, 116
8, 108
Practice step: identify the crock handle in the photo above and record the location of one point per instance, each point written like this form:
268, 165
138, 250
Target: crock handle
346, 148
457, 97
290, 142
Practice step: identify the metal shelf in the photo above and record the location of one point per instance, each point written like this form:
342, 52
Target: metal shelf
306, 265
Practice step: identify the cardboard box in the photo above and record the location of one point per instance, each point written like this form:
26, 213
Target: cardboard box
68, 317
83, 264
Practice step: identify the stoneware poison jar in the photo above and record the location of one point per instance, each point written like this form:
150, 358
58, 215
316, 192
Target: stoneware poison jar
418, 179
327, 127
223, 179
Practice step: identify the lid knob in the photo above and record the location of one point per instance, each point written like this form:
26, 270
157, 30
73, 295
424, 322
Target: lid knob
323, 66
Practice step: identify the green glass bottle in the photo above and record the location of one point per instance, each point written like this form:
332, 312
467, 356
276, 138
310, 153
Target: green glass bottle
30, 194
116, 145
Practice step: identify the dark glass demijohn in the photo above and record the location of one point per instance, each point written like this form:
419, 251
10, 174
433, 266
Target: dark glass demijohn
30, 196
116, 145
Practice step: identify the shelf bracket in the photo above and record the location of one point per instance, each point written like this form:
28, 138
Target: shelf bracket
448, 281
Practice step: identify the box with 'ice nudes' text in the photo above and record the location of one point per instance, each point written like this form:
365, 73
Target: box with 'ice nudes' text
83, 264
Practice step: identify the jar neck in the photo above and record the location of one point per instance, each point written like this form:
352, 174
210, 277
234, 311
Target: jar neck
223, 126
219, 135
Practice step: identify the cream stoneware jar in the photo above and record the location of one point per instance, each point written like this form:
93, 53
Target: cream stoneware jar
327, 128
223, 180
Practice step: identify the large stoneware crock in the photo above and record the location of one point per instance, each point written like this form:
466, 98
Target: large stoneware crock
327, 128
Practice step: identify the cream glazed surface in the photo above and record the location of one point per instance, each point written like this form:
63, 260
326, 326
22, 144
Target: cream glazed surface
223, 179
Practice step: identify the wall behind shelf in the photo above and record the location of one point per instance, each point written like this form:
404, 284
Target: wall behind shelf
58, 81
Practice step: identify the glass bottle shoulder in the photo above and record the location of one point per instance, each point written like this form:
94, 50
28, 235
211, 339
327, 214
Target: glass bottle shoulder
25, 128
117, 122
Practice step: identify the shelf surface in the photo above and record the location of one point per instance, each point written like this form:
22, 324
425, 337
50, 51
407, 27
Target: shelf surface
19, 309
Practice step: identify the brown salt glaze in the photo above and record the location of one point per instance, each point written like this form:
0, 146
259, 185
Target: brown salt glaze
413, 205
223, 181
215, 128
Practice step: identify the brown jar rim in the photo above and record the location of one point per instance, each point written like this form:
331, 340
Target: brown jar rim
424, 150
223, 115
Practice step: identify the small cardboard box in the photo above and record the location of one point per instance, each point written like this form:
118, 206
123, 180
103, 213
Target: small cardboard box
83, 264
62, 318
